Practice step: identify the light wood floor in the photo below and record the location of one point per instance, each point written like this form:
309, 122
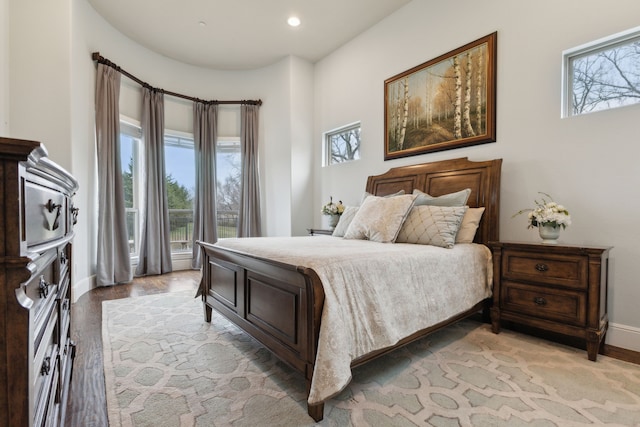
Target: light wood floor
87, 406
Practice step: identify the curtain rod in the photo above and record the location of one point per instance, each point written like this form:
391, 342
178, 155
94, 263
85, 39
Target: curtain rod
102, 60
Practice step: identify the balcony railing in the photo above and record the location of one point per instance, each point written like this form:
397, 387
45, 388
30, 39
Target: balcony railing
227, 224
181, 228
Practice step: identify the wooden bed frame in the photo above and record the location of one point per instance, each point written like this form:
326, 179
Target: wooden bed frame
280, 305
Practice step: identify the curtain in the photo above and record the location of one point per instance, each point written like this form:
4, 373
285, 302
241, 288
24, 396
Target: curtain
155, 243
249, 215
204, 215
114, 265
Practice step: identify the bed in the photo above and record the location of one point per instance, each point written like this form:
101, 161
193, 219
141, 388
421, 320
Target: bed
279, 298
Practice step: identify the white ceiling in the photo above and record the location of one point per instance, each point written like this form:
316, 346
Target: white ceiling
242, 34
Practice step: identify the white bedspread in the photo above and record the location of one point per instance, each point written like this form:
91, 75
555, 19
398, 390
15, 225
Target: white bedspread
376, 293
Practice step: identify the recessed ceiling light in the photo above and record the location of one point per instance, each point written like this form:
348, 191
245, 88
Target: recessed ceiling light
294, 21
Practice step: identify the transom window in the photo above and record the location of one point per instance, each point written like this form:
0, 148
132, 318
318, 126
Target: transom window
342, 145
602, 75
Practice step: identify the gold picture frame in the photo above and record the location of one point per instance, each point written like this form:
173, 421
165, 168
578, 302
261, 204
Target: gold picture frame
445, 103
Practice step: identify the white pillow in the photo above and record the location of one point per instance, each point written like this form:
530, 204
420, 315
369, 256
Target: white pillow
345, 220
432, 225
469, 226
459, 198
379, 218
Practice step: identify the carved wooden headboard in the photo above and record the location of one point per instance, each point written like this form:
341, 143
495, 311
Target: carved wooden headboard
448, 176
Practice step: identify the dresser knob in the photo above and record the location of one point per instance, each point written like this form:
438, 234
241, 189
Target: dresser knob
43, 287
46, 366
542, 267
540, 301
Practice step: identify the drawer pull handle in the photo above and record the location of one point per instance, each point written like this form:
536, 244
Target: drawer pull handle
63, 258
43, 287
46, 366
74, 214
540, 301
542, 267
51, 216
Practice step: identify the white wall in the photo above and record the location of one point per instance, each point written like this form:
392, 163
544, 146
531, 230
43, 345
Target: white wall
302, 151
40, 75
587, 163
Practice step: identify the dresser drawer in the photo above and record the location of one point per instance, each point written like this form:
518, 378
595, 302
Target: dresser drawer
45, 365
43, 292
564, 270
552, 304
45, 214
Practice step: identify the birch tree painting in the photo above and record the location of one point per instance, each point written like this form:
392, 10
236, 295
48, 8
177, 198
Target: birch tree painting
445, 103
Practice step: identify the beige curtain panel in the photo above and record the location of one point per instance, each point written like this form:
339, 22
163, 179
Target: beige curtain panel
113, 264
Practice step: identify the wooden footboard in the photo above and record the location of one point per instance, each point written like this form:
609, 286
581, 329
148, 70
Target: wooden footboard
278, 304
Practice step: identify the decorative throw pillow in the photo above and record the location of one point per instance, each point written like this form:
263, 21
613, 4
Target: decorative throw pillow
432, 225
379, 218
367, 194
469, 226
345, 220
458, 198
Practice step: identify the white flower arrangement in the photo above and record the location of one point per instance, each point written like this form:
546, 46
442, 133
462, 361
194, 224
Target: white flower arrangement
547, 212
333, 208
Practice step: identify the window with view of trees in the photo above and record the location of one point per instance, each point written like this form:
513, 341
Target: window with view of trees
342, 145
228, 177
602, 75
180, 184
179, 158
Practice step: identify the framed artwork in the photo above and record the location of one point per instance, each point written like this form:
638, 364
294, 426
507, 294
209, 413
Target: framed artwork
445, 103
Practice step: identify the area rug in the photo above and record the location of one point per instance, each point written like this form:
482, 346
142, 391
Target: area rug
165, 366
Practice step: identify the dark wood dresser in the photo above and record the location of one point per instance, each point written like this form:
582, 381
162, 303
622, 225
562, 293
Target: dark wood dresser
36, 230
557, 288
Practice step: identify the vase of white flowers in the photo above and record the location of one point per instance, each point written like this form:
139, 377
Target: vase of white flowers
333, 211
549, 217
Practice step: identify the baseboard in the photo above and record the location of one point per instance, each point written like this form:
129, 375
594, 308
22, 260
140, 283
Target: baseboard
621, 354
82, 287
623, 336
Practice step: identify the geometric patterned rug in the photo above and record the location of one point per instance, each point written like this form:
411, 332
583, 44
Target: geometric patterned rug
165, 366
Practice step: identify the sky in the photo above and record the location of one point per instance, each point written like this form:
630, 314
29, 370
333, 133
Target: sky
179, 162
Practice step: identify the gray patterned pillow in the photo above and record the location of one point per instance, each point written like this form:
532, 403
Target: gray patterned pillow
432, 225
459, 198
379, 218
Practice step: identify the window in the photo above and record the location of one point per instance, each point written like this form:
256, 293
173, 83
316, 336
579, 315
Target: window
131, 165
602, 75
179, 159
342, 145
180, 184
228, 180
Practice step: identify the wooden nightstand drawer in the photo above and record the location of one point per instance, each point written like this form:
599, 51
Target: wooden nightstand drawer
562, 270
553, 304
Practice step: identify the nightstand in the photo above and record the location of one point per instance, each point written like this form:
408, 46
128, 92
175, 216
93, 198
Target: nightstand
557, 288
317, 231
